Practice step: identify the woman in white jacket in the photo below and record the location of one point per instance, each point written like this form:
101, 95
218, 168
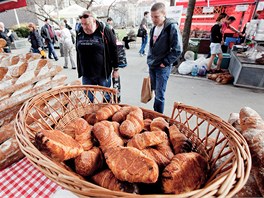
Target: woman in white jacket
68, 47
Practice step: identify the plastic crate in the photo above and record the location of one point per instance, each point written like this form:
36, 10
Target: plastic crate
225, 61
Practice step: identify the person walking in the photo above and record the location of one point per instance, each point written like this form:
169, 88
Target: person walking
131, 36
35, 39
7, 36
216, 42
144, 24
165, 47
109, 24
50, 37
96, 53
68, 47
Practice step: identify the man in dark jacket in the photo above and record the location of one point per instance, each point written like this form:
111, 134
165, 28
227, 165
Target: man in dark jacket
50, 37
7, 35
165, 48
96, 52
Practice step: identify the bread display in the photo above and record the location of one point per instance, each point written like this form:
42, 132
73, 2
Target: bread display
108, 180
186, 172
117, 153
133, 123
88, 162
58, 144
130, 164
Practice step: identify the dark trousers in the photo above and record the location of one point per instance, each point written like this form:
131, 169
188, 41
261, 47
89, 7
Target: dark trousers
126, 41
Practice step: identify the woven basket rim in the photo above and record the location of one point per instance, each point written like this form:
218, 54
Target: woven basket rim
44, 164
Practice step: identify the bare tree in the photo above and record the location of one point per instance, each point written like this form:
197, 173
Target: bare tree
172, 2
188, 24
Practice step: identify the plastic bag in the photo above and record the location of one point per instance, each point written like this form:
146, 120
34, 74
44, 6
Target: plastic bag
186, 67
189, 55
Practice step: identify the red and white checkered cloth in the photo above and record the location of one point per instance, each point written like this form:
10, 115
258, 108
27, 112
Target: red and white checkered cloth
22, 179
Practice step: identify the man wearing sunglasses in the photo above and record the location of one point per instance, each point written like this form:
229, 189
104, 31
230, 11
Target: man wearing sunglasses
96, 52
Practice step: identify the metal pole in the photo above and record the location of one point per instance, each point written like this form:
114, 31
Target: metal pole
18, 24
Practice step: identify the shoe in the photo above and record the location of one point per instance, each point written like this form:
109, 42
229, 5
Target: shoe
144, 54
56, 59
74, 68
141, 55
65, 67
50, 57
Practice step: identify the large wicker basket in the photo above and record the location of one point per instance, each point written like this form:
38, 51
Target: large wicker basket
228, 156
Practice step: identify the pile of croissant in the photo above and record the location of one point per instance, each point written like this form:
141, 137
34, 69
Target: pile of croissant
117, 148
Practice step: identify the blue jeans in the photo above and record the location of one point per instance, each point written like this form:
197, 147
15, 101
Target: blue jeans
97, 81
34, 50
159, 77
143, 44
52, 50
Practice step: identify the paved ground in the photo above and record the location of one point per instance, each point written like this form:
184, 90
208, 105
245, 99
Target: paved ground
218, 99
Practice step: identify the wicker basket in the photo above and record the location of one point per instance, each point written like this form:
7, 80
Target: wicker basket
228, 156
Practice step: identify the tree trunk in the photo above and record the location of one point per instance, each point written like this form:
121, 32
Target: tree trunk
172, 2
187, 25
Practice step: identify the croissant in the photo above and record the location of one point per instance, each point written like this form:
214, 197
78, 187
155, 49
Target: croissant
159, 124
77, 126
147, 122
133, 124
108, 180
90, 118
179, 141
105, 133
186, 172
165, 149
157, 156
122, 113
88, 162
130, 164
58, 144
106, 112
250, 119
147, 139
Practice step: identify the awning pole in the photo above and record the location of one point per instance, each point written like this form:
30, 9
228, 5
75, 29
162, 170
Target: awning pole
18, 24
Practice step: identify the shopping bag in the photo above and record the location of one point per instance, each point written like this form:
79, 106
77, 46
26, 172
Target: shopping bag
43, 54
146, 92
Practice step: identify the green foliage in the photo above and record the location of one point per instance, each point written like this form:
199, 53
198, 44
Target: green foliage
22, 32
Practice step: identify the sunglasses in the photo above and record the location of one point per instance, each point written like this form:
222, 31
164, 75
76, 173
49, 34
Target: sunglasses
85, 16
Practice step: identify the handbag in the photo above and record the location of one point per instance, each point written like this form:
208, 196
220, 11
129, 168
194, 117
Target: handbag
141, 32
146, 92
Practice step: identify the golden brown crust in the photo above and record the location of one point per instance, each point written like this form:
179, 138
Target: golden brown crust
177, 139
147, 123
158, 124
147, 139
58, 144
106, 112
122, 113
186, 172
76, 127
133, 124
250, 119
89, 161
130, 164
105, 133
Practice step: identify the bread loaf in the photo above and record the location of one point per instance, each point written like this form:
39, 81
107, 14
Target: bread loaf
159, 123
234, 121
186, 172
130, 164
57, 144
179, 141
252, 126
9, 153
147, 139
3, 71
108, 180
106, 112
105, 133
7, 131
88, 162
133, 123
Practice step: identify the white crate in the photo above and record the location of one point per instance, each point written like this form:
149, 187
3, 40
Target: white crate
21, 43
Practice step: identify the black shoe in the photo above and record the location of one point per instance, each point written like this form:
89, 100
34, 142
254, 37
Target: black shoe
74, 68
65, 67
50, 57
56, 59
